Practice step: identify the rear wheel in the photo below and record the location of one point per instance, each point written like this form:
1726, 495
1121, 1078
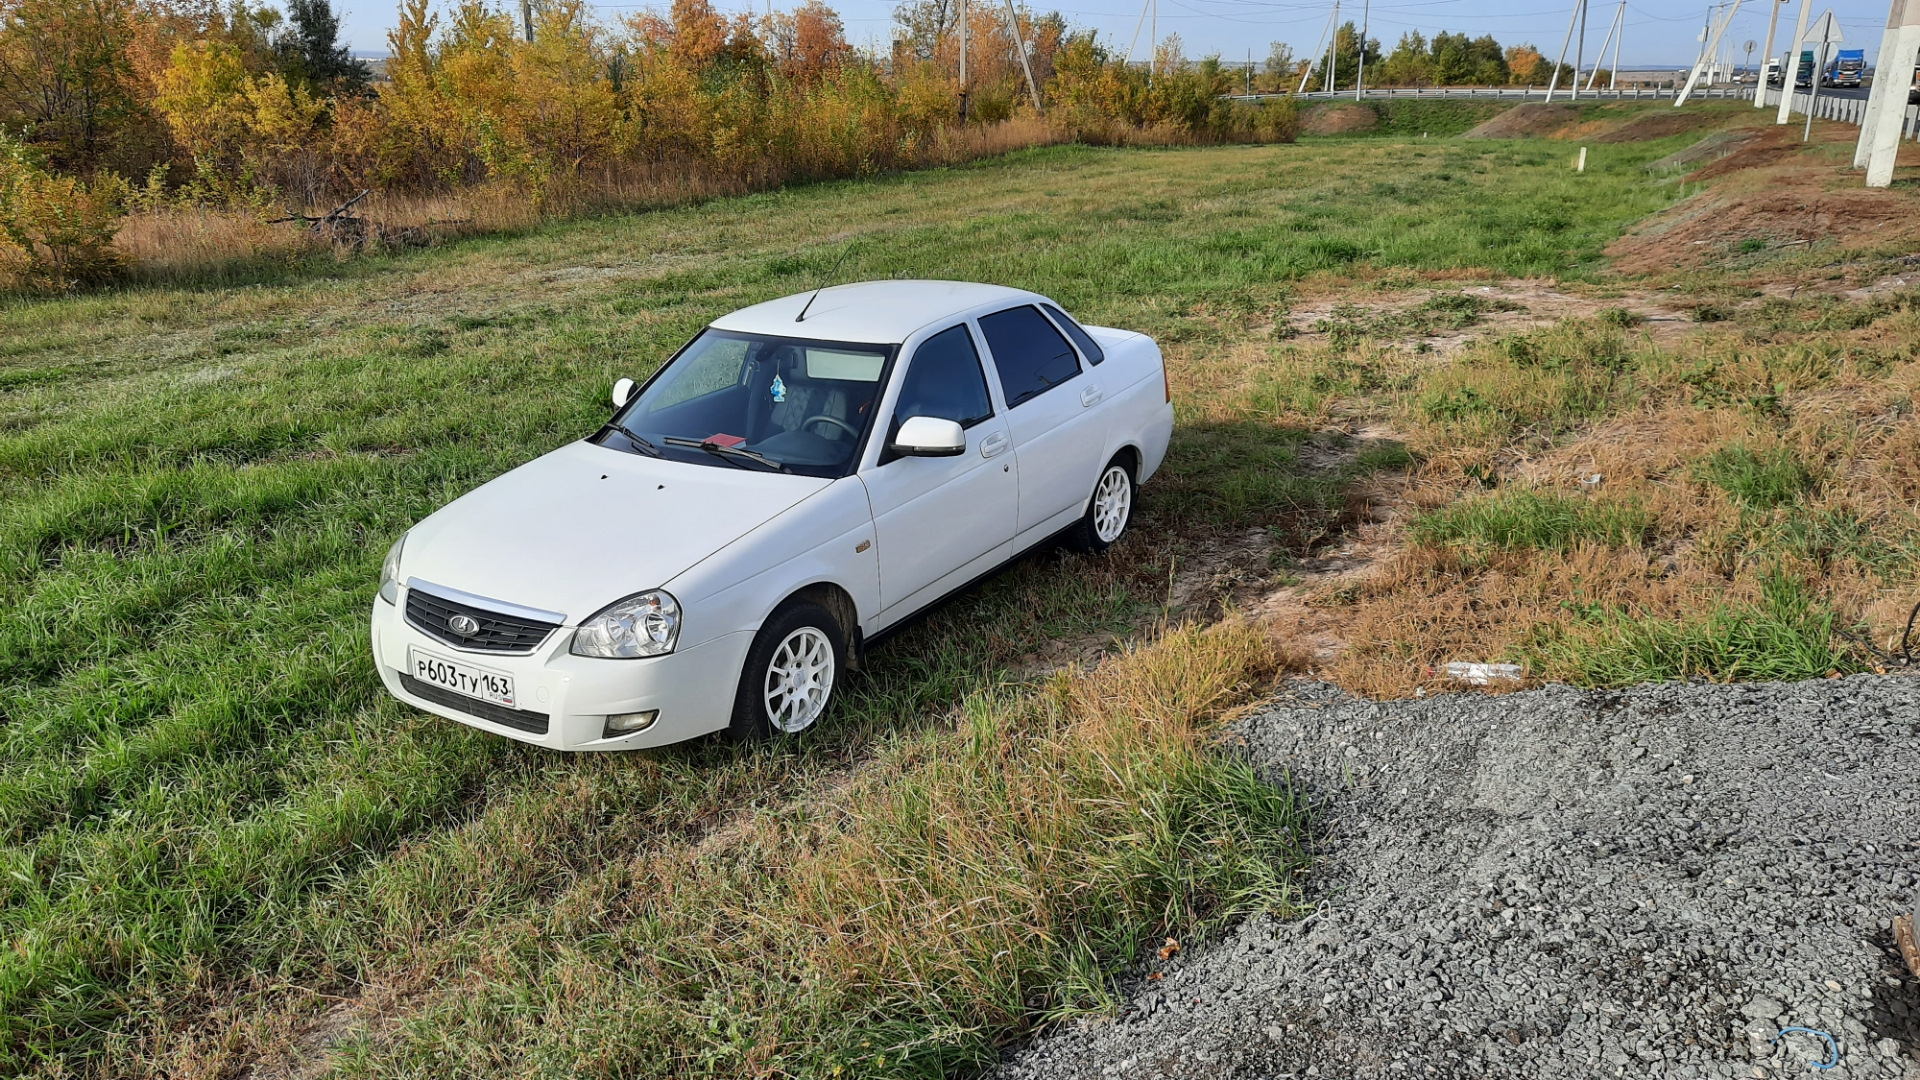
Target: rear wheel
1109, 511
788, 681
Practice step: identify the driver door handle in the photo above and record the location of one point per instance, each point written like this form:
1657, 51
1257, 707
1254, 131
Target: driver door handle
1090, 397
993, 444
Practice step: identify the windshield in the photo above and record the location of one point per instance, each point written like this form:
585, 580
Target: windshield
791, 403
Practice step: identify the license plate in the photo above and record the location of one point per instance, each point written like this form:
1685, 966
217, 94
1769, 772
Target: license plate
462, 678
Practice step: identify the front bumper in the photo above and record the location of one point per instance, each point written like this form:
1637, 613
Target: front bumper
693, 688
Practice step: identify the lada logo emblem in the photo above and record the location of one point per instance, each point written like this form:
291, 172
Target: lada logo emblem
464, 625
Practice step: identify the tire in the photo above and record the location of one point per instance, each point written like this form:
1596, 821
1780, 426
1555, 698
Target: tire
775, 698
1109, 509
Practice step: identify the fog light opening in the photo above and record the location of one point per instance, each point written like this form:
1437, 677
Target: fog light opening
628, 723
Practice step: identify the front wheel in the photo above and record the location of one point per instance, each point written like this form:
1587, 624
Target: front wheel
788, 681
1109, 511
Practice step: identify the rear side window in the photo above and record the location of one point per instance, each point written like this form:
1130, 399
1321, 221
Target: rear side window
1089, 348
1031, 355
945, 381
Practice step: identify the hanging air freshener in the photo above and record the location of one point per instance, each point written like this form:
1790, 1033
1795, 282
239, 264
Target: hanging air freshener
779, 390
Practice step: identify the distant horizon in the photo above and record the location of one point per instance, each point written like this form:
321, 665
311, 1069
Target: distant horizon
1239, 29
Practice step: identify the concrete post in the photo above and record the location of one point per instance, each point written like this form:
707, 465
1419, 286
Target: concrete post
1888, 125
1883, 87
1766, 54
1790, 64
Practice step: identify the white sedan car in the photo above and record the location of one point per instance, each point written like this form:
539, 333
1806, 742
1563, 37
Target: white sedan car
801, 478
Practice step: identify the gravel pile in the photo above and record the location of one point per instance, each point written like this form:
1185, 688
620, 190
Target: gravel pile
1562, 883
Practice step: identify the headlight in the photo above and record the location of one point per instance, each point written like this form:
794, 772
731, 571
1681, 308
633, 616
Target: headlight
643, 625
390, 572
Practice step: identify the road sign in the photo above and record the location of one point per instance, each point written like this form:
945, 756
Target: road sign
1825, 29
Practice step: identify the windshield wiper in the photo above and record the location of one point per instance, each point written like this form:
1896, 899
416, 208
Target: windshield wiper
638, 442
728, 453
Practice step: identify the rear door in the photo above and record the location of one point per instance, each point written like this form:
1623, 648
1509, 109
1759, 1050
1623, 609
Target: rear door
941, 521
1050, 414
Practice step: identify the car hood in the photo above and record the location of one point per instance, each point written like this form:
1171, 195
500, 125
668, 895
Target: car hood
575, 530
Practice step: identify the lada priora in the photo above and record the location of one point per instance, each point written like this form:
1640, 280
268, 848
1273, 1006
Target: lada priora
800, 478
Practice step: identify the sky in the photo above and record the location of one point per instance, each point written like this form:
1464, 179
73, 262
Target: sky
1659, 33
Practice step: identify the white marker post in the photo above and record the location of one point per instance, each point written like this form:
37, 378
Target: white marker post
1790, 64
1884, 89
1893, 111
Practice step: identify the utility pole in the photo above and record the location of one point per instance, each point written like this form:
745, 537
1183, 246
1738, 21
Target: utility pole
526, 17
1020, 46
1620, 20
1554, 83
1710, 48
1153, 41
1131, 45
1903, 26
1333, 46
1601, 56
1360, 79
1308, 74
1580, 51
963, 60
1879, 97
1790, 63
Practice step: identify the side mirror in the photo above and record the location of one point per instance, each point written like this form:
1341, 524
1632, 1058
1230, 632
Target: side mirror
622, 392
929, 436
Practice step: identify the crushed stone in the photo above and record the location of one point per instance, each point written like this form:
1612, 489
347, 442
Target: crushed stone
1560, 883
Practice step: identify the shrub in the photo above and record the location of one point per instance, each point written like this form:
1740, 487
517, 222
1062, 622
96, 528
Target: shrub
56, 232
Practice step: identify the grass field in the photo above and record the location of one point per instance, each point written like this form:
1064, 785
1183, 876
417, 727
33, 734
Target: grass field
219, 841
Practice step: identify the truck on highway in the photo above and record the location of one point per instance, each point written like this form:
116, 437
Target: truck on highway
1845, 69
1803, 74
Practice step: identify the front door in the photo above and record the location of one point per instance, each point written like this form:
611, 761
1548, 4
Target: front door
941, 521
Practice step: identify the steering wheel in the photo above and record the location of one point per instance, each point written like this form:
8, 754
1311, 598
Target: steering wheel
835, 421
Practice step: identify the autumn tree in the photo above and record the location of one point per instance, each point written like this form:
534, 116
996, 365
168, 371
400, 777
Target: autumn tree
66, 81
809, 42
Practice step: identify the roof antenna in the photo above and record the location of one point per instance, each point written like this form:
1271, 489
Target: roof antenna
830, 272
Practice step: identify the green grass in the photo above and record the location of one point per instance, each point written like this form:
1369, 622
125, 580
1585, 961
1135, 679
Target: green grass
1788, 634
1525, 519
1437, 118
1757, 479
210, 811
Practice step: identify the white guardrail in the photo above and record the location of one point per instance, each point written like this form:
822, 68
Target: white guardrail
1848, 110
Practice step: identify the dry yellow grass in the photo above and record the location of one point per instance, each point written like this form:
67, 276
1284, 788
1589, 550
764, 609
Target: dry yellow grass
190, 243
1604, 416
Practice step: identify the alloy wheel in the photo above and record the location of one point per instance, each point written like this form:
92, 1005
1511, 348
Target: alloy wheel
1112, 502
799, 680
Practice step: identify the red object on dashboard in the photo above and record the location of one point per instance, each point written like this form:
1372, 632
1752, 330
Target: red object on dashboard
724, 440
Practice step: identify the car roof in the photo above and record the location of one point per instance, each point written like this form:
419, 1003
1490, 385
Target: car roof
871, 312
